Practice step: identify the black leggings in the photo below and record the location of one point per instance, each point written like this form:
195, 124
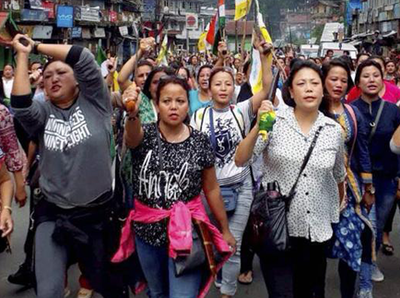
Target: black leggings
389, 221
299, 273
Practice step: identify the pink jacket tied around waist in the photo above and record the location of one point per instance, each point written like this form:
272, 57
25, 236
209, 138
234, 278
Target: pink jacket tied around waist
179, 228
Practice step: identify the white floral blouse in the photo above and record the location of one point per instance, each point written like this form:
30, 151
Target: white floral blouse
315, 205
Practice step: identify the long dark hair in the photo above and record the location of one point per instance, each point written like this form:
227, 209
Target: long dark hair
146, 87
296, 67
326, 68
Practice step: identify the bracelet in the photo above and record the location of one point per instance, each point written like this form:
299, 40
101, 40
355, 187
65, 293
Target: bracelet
7, 208
35, 48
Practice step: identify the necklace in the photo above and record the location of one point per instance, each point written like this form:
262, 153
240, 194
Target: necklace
178, 138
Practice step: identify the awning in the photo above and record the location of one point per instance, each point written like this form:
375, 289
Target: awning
391, 33
355, 42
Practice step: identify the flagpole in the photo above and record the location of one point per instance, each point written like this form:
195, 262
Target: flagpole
236, 36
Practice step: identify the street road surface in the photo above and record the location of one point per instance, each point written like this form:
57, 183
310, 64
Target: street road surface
390, 288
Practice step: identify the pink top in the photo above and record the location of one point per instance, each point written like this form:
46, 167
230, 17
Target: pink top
179, 231
392, 93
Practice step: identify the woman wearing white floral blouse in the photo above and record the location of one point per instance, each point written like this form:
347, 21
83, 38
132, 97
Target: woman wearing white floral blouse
315, 205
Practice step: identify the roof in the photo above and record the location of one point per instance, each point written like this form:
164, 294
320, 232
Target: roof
329, 3
230, 27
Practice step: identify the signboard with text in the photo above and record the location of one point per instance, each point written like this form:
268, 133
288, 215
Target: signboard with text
65, 16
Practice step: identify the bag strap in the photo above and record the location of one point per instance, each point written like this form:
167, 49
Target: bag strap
202, 117
354, 118
377, 118
305, 162
238, 123
213, 139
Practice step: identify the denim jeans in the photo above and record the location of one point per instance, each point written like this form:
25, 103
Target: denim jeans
159, 271
366, 268
385, 197
237, 225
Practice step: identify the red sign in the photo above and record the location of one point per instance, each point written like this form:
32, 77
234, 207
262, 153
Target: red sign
191, 21
113, 16
49, 6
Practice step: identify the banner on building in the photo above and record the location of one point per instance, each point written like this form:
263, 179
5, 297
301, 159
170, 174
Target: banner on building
99, 33
42, 32
65, 16
36, 4
113, 16
88, 14
123, 30
192, 21
76, 32
86, 33
34, 15
49, 8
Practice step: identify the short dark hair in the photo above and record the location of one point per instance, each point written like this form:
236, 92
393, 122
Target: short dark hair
8, 64
362, 54
33, 63
144, 62
377, 57
172, 79
367, 63
201, 69
155, 70
218, 70
390, 61
191, 59
296, 67
185, 69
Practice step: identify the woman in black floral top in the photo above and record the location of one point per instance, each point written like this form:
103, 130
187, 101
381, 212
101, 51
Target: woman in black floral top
172, 164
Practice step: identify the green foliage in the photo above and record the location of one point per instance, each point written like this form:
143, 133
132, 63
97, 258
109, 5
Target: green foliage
317, 32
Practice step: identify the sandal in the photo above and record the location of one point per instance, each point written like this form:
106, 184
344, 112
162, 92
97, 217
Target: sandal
246, 278
387, 249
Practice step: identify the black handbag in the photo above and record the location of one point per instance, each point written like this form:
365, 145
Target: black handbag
197, 256
268, 221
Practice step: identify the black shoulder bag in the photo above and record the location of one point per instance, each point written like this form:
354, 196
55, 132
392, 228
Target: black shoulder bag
197, 256
269, 228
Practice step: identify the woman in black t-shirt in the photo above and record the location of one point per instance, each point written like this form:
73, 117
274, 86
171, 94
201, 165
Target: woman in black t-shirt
172, 163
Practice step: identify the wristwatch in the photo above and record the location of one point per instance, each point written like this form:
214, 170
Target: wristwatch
371, 190
35, 47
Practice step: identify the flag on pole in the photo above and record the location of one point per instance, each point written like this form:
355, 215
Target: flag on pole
212, 30
214, 34
100, 55
221, 13
162, 56
201, 46
256, 73
242, 8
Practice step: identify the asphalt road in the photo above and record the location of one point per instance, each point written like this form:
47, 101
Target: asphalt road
389, 288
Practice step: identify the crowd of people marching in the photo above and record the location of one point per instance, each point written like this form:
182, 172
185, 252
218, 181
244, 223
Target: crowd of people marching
144, 175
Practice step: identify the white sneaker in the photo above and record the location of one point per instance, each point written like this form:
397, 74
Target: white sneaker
85, 293
365, 294
377, 274
67, 292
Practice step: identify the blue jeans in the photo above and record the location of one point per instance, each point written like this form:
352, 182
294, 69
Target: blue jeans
366, 268
385, 196
159, 271
237, 225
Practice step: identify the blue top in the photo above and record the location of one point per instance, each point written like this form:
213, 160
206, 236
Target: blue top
195, 102
384, 161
